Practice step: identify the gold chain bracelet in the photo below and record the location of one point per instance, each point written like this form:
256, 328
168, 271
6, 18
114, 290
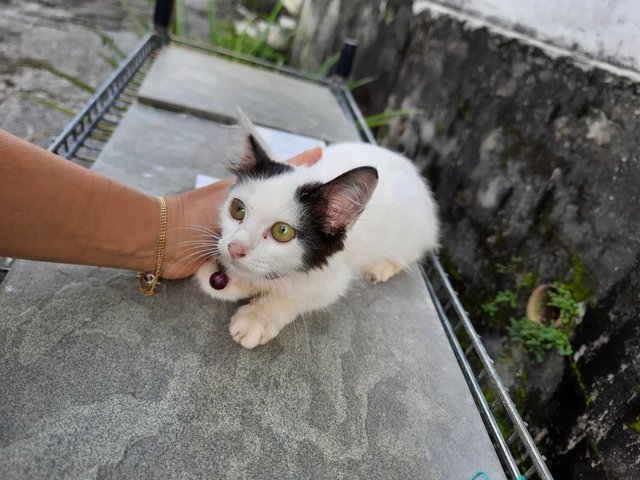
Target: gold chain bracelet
148, 281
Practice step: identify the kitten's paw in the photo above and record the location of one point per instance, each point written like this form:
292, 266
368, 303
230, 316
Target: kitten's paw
382, 271
249, 327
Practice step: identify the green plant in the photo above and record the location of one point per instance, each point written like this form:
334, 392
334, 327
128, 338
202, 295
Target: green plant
503, 297
561, 297
212, 17
509, 297
635, 425
588, 399
42, 65
384, 118
522, 279
580, 276
537, 339
534, 337
226, 35
324, 68
51, 104
357, 83
511, 267
179, 18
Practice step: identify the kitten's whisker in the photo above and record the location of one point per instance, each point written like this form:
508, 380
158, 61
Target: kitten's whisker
200, 241
201, 228
192, 262
208, 235
191, 245
194, 242
202, 248
200, 253
204, 238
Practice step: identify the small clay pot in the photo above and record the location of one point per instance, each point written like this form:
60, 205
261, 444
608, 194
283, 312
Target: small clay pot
539, 311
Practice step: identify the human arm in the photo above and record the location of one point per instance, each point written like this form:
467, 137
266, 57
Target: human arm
53, 210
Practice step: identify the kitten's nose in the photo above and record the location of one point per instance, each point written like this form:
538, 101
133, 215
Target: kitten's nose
236, 250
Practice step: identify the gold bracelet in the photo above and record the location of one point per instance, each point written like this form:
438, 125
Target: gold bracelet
148, 281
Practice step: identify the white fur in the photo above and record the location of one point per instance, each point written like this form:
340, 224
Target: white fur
397, 227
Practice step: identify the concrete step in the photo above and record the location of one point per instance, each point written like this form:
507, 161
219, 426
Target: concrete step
187, 80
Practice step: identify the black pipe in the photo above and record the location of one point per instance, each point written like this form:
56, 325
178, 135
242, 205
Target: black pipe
162, 18
347, 55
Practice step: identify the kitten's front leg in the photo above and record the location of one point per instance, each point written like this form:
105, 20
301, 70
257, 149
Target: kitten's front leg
261, 320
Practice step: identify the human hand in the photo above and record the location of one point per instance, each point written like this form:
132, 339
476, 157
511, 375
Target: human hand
192, 222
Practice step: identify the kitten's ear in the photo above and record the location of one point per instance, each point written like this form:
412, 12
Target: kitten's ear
346, 196
250, 131
257, 159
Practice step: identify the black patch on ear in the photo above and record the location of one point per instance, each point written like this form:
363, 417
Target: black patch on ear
256, 163
318, 245
329, 210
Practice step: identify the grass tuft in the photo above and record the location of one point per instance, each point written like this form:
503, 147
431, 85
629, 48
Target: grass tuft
538, 339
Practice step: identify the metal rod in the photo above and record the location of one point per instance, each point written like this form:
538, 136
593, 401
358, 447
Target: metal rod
487, 363
251, 60
162, 19
485, 411
364, 128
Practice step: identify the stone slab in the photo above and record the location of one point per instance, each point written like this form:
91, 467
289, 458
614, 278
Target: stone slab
77, 39
185, 80
161, 152
100, 382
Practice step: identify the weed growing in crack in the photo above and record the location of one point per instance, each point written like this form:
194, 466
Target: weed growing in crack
538, 339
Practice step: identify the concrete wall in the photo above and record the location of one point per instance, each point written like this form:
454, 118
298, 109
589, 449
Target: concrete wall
604, 29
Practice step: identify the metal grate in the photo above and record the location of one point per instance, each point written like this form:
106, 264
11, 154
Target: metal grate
82, 140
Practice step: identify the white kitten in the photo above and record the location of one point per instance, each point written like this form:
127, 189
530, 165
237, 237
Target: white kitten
293, 239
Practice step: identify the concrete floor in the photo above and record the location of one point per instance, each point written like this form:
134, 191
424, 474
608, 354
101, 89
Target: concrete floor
53, 54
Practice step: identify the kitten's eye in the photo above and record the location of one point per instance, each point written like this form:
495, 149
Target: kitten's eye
236, 209
283, 232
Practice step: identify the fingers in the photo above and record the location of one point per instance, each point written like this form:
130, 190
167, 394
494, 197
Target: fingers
308, 157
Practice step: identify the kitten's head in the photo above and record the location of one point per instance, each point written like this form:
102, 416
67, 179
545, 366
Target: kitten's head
273, 223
